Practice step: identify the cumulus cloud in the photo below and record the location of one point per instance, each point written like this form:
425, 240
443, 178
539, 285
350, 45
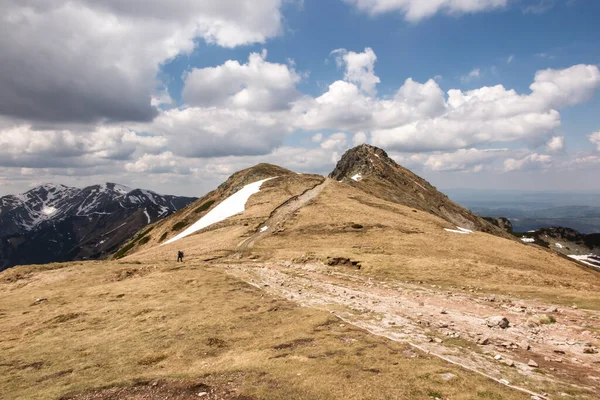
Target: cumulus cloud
464, 159
22, 146
417, 10
360, 68
214, 132
317, 138
531, 162
495, 114
595, 140
335, 141
359, 138
76, 73
556, 144
164, 163
257, 85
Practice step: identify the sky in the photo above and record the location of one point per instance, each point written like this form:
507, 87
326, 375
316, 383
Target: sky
175, 96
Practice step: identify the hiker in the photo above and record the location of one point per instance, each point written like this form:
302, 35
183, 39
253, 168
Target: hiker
180, 256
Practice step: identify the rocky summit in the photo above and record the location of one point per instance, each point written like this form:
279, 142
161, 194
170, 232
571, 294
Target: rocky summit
371, 170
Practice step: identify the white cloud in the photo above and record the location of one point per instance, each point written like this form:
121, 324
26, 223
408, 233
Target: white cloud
359, 138
510, 59
565, 87
417, 10
531, 162
317, 138
90, 60
464, 159
22, 146
556, 144
495, 114
540, 7
360, 68
212, 132
162, 163
257, 86
473, 75
335, 141
595, 139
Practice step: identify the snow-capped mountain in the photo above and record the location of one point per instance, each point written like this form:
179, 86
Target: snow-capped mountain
60, 223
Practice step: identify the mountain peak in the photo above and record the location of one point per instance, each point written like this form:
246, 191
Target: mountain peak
371, 170
361, 161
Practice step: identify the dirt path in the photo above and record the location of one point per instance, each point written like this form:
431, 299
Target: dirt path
281, 214
452, 325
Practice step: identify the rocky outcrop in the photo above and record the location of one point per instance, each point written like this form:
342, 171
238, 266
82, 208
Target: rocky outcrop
501, 222
371, 170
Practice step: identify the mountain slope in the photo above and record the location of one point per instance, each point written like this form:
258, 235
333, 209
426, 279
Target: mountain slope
372, 171
390, 269
58, 223
288, 184
400, 272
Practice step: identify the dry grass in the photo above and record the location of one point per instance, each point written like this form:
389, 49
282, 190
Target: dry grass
194, 322
395, 242
398, 243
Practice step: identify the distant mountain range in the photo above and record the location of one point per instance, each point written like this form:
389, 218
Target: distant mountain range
535, 210
52, 223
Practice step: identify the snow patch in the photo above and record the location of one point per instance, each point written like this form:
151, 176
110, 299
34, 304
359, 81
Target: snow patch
357, 177
147, 215
590, 259
528, 240
264, 228
460, 230
560, 246
48, 210
234, 204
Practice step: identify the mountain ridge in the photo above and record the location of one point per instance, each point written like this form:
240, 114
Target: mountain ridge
371, 170
54, 222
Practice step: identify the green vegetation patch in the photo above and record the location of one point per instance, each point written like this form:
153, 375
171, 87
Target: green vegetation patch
163, 236
180, 225
204, 206
139, 238
357, 226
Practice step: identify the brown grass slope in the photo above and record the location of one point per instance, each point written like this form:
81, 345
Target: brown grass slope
171, 226
382, 177
159, 330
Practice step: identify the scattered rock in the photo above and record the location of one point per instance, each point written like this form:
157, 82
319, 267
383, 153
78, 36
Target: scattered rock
438, 340
447, 376
40, 300
483, 341
552, 310
202, 394
589, 350
533, 364
497, 357
524, 345
559, 351
444, 311
497, 321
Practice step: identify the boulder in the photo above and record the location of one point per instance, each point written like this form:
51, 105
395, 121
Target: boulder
498, 321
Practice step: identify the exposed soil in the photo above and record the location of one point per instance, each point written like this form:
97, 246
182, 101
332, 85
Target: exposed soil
281, 214
451, 324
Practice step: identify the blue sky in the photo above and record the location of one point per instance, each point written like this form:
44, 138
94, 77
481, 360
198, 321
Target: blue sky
89, 104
